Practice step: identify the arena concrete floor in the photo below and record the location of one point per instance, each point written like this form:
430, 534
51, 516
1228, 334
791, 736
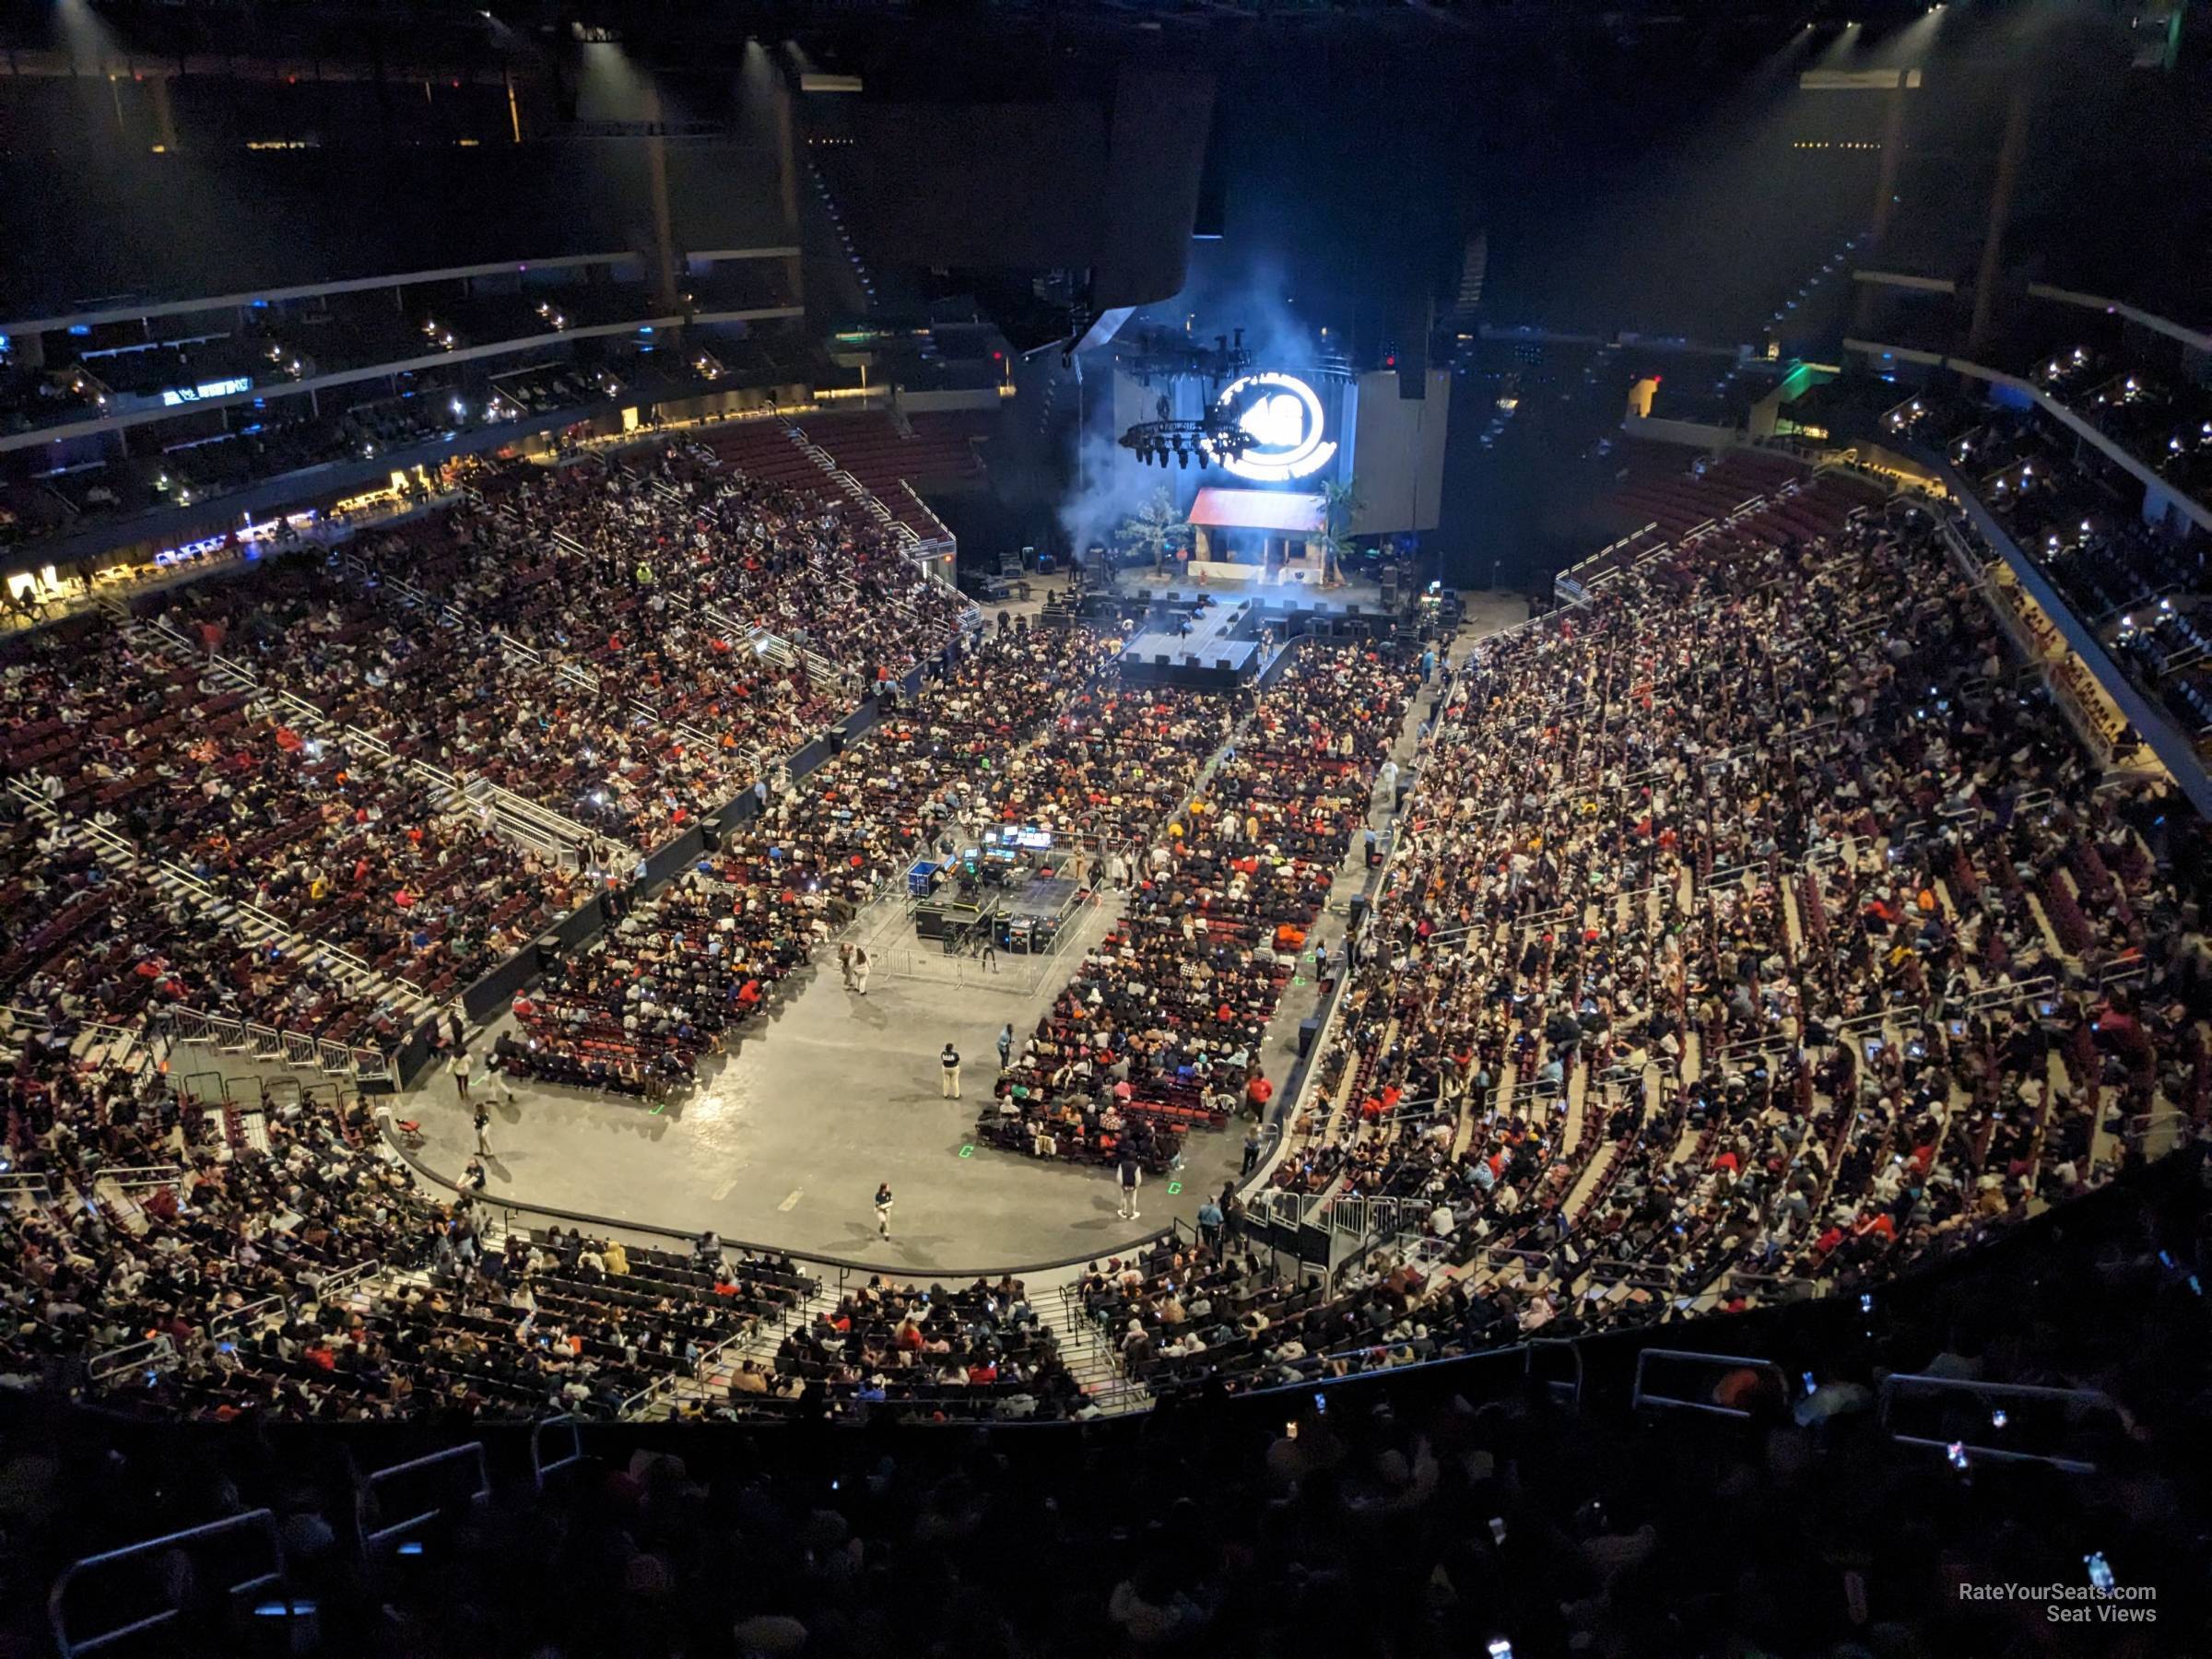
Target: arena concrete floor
784, 1138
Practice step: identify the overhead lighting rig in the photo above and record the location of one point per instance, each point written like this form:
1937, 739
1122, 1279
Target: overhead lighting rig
1161, 356
1212, 442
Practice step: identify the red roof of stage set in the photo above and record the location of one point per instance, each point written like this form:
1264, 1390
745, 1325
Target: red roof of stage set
1284, 511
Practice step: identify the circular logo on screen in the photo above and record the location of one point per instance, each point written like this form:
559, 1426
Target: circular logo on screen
1281, 417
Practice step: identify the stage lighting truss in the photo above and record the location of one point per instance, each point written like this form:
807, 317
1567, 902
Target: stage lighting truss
1212, 442
1170, 357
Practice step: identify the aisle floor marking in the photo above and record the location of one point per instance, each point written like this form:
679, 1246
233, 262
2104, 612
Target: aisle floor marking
794, 1199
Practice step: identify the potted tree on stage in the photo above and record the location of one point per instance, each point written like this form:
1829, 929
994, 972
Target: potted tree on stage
1156, 529
1339, 502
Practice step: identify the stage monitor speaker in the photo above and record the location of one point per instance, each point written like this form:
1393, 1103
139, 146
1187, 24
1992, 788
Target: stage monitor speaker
1159, 659
1352, 610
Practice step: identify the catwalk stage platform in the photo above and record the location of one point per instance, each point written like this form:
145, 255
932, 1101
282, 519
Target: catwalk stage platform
1215, 638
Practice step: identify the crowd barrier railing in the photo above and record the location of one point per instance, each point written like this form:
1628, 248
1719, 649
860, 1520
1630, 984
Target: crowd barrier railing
267, 1043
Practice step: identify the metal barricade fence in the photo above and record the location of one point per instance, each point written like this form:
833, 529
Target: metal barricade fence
175, 1587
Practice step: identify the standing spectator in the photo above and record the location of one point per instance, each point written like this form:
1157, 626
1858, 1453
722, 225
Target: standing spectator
1209, 1223
860, 969
1374, 846
1132, 1173
990, 951
457, 1031
463, 1066
1252, 1150
1005, 1045
844, 961
1320, 963
883, 1209
1257, 1093
950, 1063
483, 1122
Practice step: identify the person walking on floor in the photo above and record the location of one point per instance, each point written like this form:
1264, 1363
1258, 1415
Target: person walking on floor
1005, 1045
1132, 1174
463, 1066
883, 1209
948, 1063
1251, 1152
483, 1121
844, 962
860, 969
1209, 1223
455, 1031
989, 953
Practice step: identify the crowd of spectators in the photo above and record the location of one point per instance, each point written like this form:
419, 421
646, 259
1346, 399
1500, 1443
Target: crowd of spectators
2134, 581
288, 739
639, 1009
909, 1351
1159, 1031
1755, 933
1433, 1513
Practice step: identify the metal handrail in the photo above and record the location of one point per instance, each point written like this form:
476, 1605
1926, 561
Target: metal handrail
237, 1319
1639, 1397
539, 1467
346, 1278
142, 1175
1574, 1352
2073, 1398
156, 1352
469, 1450
179, 1586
